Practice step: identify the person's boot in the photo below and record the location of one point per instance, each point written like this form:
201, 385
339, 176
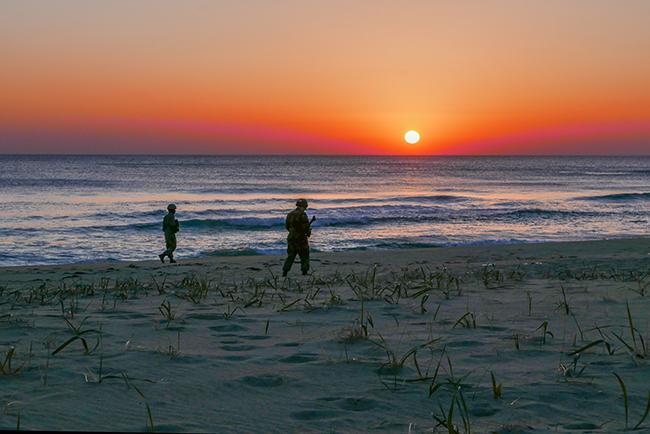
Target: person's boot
162, 257
284, 273
171, 259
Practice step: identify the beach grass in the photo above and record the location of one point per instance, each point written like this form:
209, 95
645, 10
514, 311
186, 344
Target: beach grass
428, 340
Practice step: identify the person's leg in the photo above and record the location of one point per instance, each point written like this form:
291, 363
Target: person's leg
170, 243
291, 256
304, 258
172, 247
166, 252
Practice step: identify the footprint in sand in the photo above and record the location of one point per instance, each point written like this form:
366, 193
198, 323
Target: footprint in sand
288, 344
228, 328
130, 315
300, 358
483, 411
212, 316
235, 358
315, 414
463, 344
581, 426
357, 404
236, 348
265, 380
493, 328
256, 337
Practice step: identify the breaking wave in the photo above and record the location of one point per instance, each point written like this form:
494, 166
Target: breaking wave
618, 197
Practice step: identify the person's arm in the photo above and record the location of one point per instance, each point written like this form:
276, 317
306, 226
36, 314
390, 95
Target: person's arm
287, 222
304, 223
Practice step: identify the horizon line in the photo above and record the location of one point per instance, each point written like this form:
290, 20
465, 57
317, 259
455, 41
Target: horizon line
63, 154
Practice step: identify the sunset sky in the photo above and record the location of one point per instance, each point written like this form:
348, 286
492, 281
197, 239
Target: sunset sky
325, 76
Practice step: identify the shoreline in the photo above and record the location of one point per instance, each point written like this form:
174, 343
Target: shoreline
479, 246
315, 254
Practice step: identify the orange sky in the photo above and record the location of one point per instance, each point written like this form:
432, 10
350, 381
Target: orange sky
257, 76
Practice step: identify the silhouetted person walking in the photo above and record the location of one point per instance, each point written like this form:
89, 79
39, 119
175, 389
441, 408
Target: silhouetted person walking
299, 228
170, 227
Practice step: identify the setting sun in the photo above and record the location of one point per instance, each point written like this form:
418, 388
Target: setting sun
412, 137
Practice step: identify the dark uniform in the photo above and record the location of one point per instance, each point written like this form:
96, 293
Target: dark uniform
299, 229
170, 227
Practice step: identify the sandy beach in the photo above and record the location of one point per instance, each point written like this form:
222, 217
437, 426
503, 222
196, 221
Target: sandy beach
469, 180
513, 338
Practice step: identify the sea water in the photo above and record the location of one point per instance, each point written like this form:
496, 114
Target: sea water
66, 209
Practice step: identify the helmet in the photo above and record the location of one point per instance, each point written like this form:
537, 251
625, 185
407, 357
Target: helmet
302, 203
171, 206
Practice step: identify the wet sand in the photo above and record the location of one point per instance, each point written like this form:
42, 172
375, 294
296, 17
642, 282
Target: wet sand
372, 341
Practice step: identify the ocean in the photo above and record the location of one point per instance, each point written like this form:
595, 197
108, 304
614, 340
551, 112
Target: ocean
72, 209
